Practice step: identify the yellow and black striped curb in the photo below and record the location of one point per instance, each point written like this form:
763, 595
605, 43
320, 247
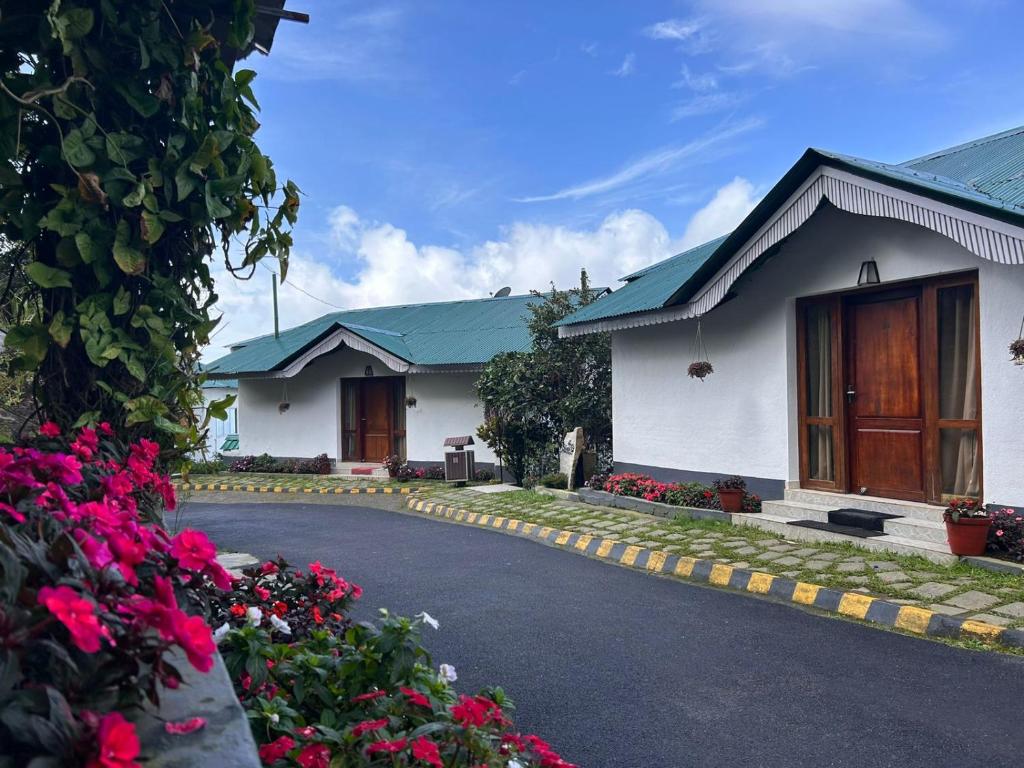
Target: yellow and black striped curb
853, 605
284, 489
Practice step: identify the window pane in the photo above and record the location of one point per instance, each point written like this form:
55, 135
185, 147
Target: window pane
819, 453
958, 358
819, 362
349, 404
348, 447
960, 470
399, 417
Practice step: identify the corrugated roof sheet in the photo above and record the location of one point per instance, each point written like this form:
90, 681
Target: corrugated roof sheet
444, 333
985, 175
649, 288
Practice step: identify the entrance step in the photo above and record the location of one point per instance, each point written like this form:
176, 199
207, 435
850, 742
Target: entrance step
355, 469
860, 518
914, 509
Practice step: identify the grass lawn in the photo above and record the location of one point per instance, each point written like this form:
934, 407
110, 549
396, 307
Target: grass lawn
317, 482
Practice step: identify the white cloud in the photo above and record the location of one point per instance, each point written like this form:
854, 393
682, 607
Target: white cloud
726, 209
705, 104
389, 268
881, 18
674, 29
627, 67
701, 83
652, 164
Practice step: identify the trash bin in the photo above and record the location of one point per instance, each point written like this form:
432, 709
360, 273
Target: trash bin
459, 464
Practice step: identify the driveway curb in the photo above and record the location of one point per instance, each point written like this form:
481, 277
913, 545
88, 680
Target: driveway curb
281, 489
850, 605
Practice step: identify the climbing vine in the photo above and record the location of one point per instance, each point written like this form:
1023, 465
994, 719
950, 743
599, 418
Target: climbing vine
127, 164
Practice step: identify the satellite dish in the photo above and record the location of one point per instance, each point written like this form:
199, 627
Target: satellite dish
502, 292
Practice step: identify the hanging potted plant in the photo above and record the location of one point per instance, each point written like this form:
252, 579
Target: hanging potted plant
1017, 347
967, 524
701, 367
731, 491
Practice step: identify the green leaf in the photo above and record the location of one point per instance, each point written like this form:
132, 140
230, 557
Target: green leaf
122, 301
60, 329
214, 207
86, 247
185, 181
76, 151
48, 277
134, 197
152, 227
207, 151
135, 368
32, 341
146, 104
129, 259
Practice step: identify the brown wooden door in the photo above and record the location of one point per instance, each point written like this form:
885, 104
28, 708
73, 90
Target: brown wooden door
376, 426
885, 410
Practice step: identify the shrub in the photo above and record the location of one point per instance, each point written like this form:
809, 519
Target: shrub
696, 495
751, 503
431, 472
212, 466
483, 475
320, 690
598, 481
318, 465
92, 594
1006, 535
392, 464
554, 480
405, 473
732, 483
244, 464
265, 463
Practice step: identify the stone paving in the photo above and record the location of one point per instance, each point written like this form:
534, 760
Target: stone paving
272, 480
960, 590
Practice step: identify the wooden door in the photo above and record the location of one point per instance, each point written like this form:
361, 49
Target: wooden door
376, 419
883, 389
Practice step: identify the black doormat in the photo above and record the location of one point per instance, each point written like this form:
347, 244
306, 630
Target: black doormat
860, 518
847, 530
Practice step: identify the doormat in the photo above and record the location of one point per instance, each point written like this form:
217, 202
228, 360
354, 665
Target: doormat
847, 530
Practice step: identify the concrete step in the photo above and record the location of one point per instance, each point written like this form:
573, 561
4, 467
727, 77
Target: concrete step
898, 544
344, 469
797, 510
912, 509
918, 530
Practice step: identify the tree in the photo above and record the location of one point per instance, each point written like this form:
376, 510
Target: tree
126, 160
531, 399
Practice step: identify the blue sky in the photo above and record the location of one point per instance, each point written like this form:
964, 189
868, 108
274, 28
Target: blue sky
447, 148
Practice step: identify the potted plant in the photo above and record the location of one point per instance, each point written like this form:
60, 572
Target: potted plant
392, 464
967, 524
700, 370
1017, 351
731, 491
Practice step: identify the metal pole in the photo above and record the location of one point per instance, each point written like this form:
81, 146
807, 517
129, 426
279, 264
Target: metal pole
273, 277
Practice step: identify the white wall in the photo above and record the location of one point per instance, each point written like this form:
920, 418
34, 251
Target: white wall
218, 430
742, 418
446, 405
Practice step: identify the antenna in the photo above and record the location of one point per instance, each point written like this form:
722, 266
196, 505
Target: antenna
502, 292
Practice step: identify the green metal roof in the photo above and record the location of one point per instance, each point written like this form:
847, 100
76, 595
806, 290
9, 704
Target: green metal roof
445, 333
985, 176
230, 443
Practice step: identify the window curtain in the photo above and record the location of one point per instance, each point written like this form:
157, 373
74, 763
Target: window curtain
958, 396
819, 392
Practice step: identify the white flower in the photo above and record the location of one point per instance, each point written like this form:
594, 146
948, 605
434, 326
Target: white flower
220, 632
447, 673
280, 624
275, 718
254, 615
429, 620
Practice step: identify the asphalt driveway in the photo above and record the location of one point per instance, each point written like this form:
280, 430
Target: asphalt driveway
620, 669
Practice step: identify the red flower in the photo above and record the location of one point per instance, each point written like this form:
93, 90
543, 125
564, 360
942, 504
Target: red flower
415, 697
426, 750
279, 609
193, 550
387, 746
196, 639
306, 732
118, 743
314, 756
369, 725
237, 610
186, 726
77, 614
476, 711
261, 592
275, 750
317, 616
268, 568
368, 696
49, 429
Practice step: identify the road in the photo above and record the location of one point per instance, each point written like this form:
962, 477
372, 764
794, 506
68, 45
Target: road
619, 669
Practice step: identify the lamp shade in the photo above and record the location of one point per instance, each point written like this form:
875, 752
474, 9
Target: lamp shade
868, 273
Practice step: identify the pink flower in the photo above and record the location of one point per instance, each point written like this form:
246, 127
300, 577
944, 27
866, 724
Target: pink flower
77, 614
415, 697
49, 429
426, 750
193, 550
185, 726
196, 639
118, 743
275, 750
261, 592
998, 533
314, 756
5, 507
268, 568
305, 732
369, 725
386, 746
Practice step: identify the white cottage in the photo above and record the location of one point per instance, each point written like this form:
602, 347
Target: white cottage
364, 384
858, 323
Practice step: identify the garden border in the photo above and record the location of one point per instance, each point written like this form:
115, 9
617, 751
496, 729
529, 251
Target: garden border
850, 605
383, 489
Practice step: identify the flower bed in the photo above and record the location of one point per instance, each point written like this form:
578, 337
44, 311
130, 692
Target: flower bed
321, 691
691, 495
93, 595
318, 465
1006, 536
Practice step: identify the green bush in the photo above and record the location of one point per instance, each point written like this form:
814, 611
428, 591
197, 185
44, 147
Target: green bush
554, 480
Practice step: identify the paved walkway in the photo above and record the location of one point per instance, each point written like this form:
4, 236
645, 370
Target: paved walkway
620, 669
961, 590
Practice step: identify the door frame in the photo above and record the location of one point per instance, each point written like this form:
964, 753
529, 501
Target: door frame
397, 431
836, 304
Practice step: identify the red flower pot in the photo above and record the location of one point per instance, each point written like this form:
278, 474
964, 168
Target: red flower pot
968, 536
731, 499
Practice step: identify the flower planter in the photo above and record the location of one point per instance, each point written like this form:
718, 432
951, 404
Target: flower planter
732, 499
967, 536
